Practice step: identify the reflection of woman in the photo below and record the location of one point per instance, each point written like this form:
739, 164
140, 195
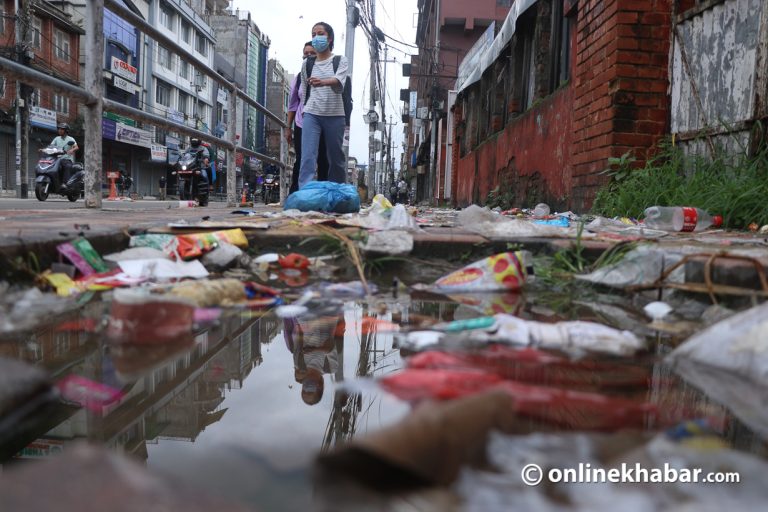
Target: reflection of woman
295, 124
315, 345
324, 109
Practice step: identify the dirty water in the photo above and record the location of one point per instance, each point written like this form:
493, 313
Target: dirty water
240, 410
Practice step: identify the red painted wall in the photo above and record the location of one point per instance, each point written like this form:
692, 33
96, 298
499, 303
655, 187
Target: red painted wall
533, 148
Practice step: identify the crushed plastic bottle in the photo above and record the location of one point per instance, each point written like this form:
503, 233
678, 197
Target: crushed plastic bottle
680, 218
541, 210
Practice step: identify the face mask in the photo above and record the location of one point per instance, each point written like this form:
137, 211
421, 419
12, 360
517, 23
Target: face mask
320, 43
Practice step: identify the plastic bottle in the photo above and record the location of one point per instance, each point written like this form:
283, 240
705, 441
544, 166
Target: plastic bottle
680, 218
541, 210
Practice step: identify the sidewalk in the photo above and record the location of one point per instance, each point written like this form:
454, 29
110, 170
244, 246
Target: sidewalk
38, 231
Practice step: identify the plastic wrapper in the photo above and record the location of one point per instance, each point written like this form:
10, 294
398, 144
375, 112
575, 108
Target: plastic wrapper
325, 196
563, 407
568, 336
87, 393
162, 269
729, 362
504, 271
222, 256
535, 366
388, 242
219, 292
83, 256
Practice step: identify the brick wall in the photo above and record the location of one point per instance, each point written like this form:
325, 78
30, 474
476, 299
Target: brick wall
620, 86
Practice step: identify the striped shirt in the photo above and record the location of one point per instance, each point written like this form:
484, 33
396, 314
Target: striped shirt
325, 100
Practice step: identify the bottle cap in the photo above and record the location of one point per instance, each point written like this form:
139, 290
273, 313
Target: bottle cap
717, 221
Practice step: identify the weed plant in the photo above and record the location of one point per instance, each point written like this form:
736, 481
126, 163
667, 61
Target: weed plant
735, 187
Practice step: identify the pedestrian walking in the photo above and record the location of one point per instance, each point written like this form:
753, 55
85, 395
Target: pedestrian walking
295, 123
324, 113
163, 184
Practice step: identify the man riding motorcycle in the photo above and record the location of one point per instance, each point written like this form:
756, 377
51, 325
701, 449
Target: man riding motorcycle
62, 142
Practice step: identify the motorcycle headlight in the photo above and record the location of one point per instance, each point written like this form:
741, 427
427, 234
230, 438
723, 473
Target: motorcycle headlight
183, 167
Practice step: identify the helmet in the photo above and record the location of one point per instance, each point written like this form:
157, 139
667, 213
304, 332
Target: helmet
63, 126
194, 142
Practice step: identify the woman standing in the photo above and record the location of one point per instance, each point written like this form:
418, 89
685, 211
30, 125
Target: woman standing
295, 123
323, 108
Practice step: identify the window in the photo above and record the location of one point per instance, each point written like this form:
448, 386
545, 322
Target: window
160, 136
164, 57
2, 86
560, 62
184, 69
34, 97
203, 82
37, 30
61, 45
202, 45
163, 93
61, 104
183, 103
186, 31
167, 19
2, 21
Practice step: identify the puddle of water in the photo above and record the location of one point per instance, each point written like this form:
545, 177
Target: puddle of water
244, 407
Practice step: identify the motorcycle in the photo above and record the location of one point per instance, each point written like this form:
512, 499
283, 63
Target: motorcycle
47, 179
191, 178
270, 190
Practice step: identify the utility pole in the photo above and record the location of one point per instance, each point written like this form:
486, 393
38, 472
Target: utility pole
94, 84
22, 119
433, 139
370, 179
349, 51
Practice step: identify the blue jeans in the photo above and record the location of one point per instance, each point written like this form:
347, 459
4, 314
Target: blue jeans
332, 130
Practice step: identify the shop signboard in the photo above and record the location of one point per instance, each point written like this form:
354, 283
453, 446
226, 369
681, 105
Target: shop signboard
108, 129
119, 119
124, 70
131, 135
123, 84
158, 153
42, 118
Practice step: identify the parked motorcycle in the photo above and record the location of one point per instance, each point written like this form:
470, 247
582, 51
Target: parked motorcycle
47, 180
270, 190
191, 178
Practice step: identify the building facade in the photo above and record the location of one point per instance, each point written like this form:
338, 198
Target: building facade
243, 48
446, 32
278, 91
53, 47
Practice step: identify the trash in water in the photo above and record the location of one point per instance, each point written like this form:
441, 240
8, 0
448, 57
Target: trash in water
138, 316
87, 393
541, 210
393, 243
82, 254
729, 362
222, 256
505, 271
657, 310
163, 269
293, 260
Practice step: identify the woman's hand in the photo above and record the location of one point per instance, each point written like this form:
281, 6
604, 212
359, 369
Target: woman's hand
289, 135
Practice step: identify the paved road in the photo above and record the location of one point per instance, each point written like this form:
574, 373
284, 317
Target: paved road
64, 204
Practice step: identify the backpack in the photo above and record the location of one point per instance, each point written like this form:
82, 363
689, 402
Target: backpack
346, 94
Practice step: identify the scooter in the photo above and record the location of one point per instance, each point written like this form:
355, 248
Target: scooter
191, 179
47, 179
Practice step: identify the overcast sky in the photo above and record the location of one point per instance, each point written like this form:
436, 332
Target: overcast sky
288, 24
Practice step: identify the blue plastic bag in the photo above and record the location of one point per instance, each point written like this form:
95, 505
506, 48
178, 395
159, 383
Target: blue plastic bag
325, 196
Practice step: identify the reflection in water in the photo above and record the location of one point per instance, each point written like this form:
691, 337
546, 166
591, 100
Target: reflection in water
208, 393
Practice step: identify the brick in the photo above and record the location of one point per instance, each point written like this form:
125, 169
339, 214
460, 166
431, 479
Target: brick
627, 17
634, 31
628, 57
632, 139
637, 5
655, 18
651, 72
651, 127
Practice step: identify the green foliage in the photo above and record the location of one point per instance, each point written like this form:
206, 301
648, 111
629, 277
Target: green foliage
735, 187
